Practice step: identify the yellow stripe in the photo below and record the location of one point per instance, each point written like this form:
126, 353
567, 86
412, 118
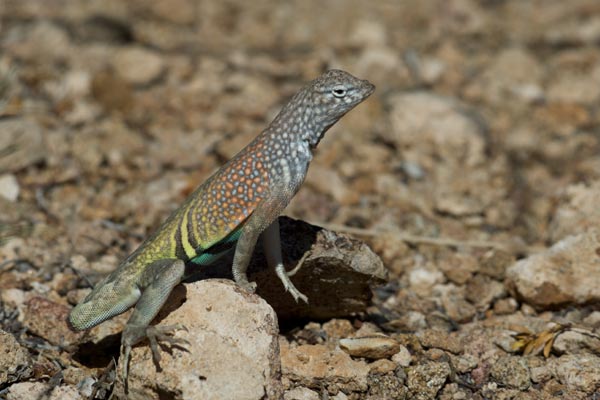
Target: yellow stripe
195, 228
185, 242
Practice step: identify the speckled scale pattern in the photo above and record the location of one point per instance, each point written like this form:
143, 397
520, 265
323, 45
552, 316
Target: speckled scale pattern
273, 164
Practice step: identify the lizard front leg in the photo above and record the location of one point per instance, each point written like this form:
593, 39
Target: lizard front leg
263, 215
263, 221
157, 282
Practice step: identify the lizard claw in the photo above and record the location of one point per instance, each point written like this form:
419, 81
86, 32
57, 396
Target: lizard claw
296, 294
248, 286
288, 285
158, 334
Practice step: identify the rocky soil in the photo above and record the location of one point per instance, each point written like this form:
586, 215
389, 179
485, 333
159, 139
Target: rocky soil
457, 253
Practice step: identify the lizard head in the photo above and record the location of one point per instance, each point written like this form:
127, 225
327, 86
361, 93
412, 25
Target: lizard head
319, 105
330, 97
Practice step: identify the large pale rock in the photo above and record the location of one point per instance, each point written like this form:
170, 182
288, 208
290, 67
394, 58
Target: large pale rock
567, 273
434, 125
233, 351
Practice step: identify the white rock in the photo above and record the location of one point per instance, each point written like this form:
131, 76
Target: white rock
430, 123
567, 273
423, 279
301, 393
233, 351
137, 65
9, 187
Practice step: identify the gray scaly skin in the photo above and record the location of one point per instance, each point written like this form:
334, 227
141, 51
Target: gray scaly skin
237, 204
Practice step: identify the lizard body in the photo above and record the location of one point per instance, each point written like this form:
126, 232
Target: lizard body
237, 204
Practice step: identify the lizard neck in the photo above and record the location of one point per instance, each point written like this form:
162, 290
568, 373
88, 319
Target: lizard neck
299, 122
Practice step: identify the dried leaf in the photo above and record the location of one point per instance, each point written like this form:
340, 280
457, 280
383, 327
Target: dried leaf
531, 343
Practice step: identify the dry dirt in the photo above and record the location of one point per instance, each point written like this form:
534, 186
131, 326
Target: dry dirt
473, 172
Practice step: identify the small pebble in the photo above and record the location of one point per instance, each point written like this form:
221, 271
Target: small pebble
373, 347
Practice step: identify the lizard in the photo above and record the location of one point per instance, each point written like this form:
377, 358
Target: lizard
230, 210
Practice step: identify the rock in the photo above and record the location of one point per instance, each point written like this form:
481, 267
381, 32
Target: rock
314, 366
458, 267
425, 380
301, 393
137, 65
454, 303
482, 291
40, 41
373, 347
432, 338
577, 211
592, 320
233, 351
505, 306
402, 357
495, 262
48, 320
14, 360
21, 144
424, 124
382, 367
9, 187
578, 371
423, 278
337, 274
576, 342
14, 298
566, 273
42, 390
511, 371
514, 72
336, 329
386, 386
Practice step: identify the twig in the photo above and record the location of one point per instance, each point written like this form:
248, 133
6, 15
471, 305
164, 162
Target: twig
416, 239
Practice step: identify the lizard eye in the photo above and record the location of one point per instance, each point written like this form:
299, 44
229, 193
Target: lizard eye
339, 92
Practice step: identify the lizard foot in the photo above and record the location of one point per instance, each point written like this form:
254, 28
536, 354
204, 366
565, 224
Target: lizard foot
155, 334
163, 334
248, 286
288, 285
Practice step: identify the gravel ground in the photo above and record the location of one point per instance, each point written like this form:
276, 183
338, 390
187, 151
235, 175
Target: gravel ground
473, 172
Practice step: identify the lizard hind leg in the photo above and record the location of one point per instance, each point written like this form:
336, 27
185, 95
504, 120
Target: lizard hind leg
272, 247
157, 282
